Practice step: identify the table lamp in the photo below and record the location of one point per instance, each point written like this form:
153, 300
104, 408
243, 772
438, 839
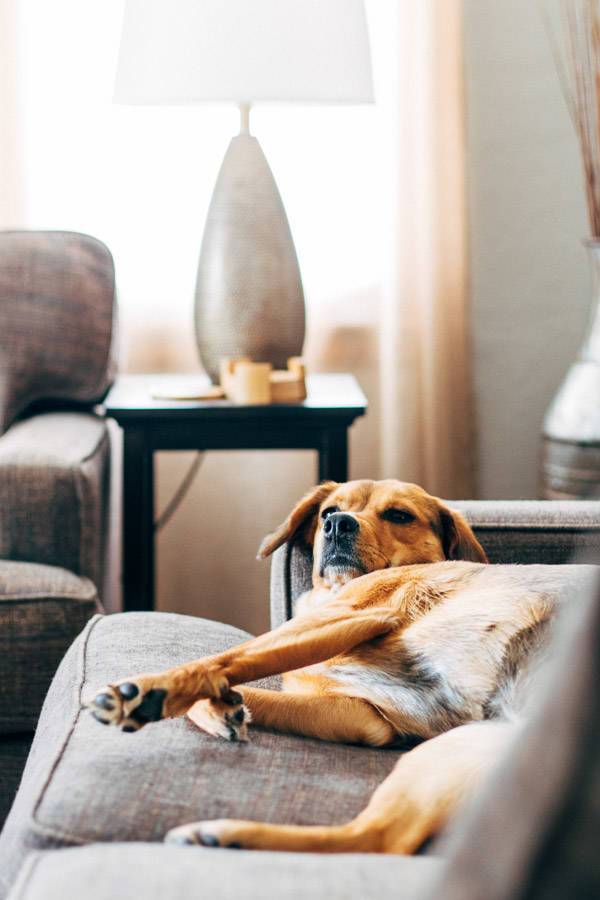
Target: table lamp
249, 298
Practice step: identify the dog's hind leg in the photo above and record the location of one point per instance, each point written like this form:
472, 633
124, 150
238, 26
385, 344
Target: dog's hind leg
327, 716
425, 789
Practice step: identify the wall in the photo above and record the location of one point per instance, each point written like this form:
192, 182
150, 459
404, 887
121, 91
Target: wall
529, 272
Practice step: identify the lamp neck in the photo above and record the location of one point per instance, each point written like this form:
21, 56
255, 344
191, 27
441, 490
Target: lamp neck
244, 118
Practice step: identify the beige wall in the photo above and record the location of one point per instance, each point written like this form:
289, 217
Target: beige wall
529, 278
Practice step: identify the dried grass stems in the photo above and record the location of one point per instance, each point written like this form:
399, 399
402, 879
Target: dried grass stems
577, 56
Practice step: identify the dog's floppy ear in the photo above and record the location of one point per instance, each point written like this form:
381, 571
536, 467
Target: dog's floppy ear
299, 516
458, 539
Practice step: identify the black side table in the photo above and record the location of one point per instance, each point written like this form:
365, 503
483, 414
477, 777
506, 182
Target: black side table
320, 423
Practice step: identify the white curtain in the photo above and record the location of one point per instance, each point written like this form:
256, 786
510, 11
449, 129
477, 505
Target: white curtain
426, 432
11, 183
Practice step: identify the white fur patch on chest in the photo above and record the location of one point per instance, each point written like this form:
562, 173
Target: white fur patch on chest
314, 598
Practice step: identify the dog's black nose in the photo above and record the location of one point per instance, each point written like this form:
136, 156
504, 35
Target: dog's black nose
339, 525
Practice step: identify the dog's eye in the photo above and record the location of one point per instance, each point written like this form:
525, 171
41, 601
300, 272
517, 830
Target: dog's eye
329, 510
397, 516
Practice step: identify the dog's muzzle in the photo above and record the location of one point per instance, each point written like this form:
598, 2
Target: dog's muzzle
340, 531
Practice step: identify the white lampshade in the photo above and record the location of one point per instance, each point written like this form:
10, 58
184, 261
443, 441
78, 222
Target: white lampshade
186, 51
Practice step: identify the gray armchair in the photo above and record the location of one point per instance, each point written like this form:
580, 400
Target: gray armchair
57, 298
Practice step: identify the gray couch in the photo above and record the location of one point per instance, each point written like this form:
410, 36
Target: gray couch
94, 803
57, 294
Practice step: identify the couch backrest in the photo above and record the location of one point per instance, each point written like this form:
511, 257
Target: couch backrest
57, 299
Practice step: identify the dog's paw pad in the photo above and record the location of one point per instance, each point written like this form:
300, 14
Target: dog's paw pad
128, 707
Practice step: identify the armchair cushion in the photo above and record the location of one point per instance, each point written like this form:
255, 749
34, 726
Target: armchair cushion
42, 610
53, 487
57, 293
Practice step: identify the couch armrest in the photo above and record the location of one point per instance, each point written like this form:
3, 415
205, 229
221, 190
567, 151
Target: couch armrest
510, 531
291, 570
54, 471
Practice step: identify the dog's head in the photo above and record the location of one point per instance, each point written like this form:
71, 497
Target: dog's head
361, 526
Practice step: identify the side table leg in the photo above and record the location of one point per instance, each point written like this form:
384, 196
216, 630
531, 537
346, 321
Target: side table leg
138, 522
333, 455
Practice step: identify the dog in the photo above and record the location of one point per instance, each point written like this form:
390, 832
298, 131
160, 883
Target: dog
408, 637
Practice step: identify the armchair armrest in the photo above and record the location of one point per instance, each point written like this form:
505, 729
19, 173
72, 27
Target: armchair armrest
54, 470
510, 531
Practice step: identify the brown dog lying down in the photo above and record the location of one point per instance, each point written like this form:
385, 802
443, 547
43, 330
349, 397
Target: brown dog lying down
405, 634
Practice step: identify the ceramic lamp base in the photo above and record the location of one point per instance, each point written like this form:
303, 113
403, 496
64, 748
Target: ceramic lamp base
249, 298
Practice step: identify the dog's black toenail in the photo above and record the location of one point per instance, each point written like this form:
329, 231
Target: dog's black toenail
233, 698
208, 840
99, 718
105, 701
150, 709
234, 846
128, 690
128, 728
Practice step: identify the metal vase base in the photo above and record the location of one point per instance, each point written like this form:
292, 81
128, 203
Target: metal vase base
571, 435
249, 298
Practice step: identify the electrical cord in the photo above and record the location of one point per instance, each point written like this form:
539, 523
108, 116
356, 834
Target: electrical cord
180, 493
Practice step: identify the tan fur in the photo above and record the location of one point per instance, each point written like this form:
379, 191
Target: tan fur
406, 638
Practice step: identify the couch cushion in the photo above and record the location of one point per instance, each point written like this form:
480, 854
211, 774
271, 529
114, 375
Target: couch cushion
109, 872
85, 783
42, 610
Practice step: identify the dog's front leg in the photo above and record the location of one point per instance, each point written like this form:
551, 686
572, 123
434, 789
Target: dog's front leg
304, 641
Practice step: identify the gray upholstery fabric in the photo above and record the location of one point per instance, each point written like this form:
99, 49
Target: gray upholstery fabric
127, 871
42, 610
57, 294
85, 783
534, 531
510, 531
14, 749
53, 491
532, 833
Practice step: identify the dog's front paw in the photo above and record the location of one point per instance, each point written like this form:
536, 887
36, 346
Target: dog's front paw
128, 705
227, 718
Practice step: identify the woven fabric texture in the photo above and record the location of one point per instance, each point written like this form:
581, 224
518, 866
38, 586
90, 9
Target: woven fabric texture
54, 470
102, 872
42, 610
57, 297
